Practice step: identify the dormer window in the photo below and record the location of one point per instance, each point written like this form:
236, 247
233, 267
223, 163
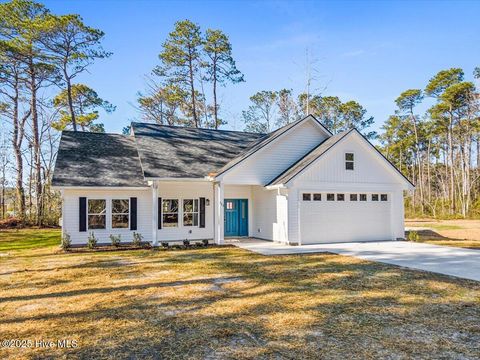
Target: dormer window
349, 160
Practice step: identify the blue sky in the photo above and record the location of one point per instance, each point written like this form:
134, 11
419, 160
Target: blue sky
366, 51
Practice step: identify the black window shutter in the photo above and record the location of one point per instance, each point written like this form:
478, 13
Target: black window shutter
133, 213
202, 212
82, 212
159, 213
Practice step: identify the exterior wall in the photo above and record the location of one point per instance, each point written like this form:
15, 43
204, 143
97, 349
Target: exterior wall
265, 205
266, 164
328, 174
187, 190
280, 227
70, 215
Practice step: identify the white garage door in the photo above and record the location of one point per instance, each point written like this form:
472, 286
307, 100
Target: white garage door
343, 217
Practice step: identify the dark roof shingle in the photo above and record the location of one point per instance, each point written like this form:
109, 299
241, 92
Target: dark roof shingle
180, 152
97, 159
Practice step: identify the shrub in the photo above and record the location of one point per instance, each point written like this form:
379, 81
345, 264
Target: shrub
186, 243
115, 239
66, 241
137, 239
205, 242
165, 244
413, 236
92, 241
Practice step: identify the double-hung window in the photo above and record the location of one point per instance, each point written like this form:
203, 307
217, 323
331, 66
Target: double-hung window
190, 212
170, 212
349, 160
97, 213
120, 213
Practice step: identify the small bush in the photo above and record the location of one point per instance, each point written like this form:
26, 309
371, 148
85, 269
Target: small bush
66, 241
137, 239
165, 244
92, 241
413, 236
205, 242
186, 243
115, 239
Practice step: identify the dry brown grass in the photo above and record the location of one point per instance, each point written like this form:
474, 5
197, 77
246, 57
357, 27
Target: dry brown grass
458, 233
223, 303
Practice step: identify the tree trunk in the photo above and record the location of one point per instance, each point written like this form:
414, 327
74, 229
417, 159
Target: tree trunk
215, 106
192, 92
69, 98
36, 145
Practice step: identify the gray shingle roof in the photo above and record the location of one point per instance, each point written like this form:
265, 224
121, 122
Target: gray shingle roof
179, 152
310, 157
94, 159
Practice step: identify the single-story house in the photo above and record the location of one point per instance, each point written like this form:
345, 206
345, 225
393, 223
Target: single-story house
296, 185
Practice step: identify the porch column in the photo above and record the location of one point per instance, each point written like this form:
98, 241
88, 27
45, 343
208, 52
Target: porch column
219, 213
154, 213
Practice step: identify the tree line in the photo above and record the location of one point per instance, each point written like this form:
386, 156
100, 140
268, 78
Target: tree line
439, 149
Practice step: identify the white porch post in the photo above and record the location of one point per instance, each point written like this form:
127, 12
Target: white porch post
219, 213
154, 213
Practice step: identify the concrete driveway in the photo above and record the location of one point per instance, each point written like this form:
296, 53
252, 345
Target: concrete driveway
463, 263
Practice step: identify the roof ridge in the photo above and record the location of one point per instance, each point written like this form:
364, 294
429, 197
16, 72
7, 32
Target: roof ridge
196, 129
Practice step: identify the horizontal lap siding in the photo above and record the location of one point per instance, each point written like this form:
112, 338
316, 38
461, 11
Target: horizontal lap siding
187, 190
70, 217
266, 164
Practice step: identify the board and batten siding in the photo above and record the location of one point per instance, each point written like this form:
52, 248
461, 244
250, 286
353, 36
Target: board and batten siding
242, 192
267, 163
70, 216
265, 205
371, 174
181, 191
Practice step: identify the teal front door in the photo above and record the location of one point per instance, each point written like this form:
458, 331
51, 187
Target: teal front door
236, 217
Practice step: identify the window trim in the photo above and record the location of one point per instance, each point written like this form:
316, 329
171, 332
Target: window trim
105, 214
112, 213
195, 201
349, 161
178, 213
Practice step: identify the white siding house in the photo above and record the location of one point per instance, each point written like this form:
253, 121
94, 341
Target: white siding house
297, 185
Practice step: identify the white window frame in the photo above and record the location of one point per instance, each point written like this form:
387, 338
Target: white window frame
105, 214
196, 210
112, 213
349, 161
178, 213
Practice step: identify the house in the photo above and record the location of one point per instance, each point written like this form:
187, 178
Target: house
297, 185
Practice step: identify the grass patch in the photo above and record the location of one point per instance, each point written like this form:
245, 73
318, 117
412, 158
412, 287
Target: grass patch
28, 239
227, 303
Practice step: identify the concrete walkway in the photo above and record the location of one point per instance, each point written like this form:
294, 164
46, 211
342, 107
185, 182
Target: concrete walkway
463, 263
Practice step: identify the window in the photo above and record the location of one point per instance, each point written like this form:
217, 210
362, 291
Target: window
349, 157
353, 197
384, 197
230, 205
330, 197
97, 209
374, 197
340, 197
317, 197
170, 212
120, 213
307, 197
363, 197
190, 212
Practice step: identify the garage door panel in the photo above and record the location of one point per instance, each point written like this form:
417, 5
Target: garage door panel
341, 221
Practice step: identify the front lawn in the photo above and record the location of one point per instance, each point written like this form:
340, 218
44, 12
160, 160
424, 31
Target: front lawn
221, 303
457, 233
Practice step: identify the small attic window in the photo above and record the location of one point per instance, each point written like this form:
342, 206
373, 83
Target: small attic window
349, 160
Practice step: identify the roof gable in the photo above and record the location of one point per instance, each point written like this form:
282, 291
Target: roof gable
312, 158
271, 138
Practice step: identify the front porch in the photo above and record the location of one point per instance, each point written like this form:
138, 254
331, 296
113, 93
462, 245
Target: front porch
196, 210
